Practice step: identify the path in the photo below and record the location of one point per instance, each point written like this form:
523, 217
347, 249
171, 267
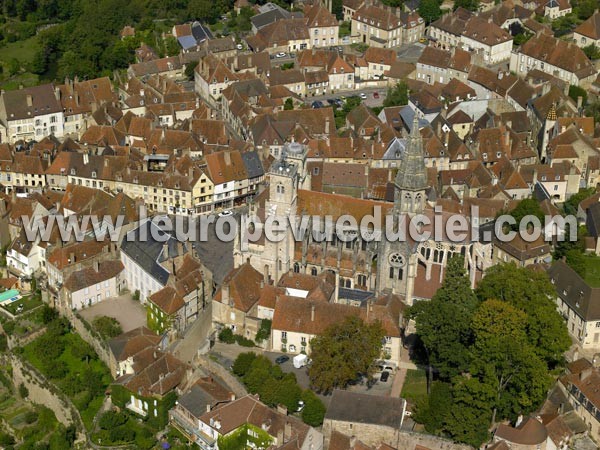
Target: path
195, 336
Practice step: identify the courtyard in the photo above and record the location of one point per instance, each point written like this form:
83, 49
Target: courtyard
130, 313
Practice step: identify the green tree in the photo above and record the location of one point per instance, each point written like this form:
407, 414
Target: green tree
430, 10
527, 207
575, 92
314, 409
107, 327
435, 410
504, 360
342, 351
586, 8
470, 414
23, 391
576, 261
190, 68
471, 5
531, 292
243, 363
288, 104
592, 52
172, 47
443, 324
397, 96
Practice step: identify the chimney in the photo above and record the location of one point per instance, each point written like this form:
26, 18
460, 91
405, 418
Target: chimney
282, 409
280, 437
519, 420
327, 126
287, 433
96, 266
2, 207
86, 159
262, 284
165, 250
29, 100
227, 157
312, 313
105, 162
191, 173
579, 102
57, 93
72, 258
225, 293
398, 12
585, 373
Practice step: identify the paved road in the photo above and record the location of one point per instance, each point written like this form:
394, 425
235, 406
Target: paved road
196, 336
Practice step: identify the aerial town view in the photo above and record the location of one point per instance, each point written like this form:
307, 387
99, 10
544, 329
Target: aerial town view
300, 224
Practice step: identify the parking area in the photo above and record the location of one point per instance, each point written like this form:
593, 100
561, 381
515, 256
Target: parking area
130, 313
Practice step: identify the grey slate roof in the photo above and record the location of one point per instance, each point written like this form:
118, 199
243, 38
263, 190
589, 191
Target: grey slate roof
196, 401
187, 42
262, 20
253, 165
148, 253
201, 32
575, 292
348, 406
412, 174
592, 221
43, 101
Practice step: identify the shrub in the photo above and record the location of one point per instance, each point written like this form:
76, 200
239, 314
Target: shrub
23, 391
243, 363
226, 336
30, 417
107, 327
244, 342
264, 331
314, 409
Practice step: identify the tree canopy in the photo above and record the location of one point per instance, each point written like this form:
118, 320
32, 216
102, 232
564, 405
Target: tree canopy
397, 96
344, 350
494, 349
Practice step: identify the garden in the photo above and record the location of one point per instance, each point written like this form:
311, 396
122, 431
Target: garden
72, 364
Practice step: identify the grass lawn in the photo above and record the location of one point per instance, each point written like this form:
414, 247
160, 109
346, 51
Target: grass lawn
23, 51
87, 404
415, 386
592, 270
29, 303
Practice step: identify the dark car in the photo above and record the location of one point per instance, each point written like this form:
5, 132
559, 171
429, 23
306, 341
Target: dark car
282, 359
317, 104
331, 101
384, 376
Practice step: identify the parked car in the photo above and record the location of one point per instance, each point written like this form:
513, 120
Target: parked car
282, 359
300, 406
239, 47
331, 101
423, 40
384, 376
280, 55
317, 104
375, 94
363, 95
226, 213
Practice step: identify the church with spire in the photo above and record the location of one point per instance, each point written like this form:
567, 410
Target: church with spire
406, 268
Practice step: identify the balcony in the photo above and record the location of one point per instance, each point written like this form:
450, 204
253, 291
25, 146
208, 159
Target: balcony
190, 431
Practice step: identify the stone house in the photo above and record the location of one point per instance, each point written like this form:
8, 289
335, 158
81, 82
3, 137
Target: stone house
89, 286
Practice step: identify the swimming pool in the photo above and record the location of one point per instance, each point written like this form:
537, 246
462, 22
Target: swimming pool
9, 296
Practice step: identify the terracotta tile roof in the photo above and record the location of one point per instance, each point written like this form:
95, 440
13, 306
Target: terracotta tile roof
168, 300
530, 432
380, 56
244, 285
377, 17
75, 253
156, 373
591, 27
564, 55
484, 32
89, 276
133, 342
319, 16
249, 410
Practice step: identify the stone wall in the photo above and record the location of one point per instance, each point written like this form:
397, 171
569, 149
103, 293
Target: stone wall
41, 392
374, 435
230, 380
90, 336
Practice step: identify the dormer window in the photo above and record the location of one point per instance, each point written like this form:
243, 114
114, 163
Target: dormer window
543, 177
484, 156
498, 154
72, 171
94, 174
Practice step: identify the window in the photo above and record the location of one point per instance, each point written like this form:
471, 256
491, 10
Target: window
284, 335
316, 171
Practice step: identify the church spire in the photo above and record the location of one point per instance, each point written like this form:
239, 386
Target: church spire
412, 174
